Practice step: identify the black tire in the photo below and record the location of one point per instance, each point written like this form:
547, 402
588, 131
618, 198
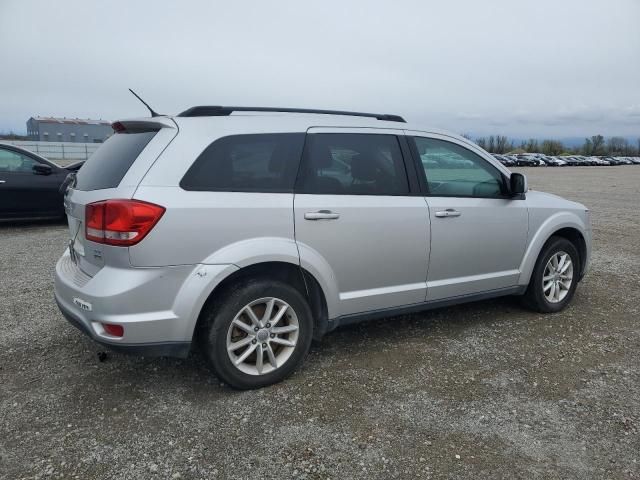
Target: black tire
534, 298
223, 310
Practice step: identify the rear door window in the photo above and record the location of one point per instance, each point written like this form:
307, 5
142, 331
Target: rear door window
108, 165
353, 164
247, 163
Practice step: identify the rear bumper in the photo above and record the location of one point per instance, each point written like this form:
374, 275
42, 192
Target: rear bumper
160, 349
158, 307
142, 301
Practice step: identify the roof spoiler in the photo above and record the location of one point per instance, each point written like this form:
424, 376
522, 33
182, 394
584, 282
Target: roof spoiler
142, 125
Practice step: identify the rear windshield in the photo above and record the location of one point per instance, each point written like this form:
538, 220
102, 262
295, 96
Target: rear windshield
108, 165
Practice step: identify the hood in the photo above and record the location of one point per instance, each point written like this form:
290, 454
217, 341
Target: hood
544, 199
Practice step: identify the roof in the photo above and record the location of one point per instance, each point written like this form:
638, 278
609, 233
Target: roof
263, 122
72, 121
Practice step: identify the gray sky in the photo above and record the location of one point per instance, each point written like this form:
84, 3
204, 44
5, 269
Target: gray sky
522, 68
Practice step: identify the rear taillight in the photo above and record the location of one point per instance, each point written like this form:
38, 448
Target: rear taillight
120, 222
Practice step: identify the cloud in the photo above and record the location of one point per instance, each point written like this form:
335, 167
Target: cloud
458, 65
557, 121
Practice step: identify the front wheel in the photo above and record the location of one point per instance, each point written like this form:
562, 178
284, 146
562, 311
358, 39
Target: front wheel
257, 334
554, 277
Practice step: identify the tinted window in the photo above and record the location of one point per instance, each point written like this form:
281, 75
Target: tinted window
247, 163
11, 161
109, 163
353, 164
455, 171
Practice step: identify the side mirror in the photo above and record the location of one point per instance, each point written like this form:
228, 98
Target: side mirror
42, 169
518, 184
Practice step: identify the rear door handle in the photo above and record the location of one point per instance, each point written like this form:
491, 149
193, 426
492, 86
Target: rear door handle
321, 215
449, 212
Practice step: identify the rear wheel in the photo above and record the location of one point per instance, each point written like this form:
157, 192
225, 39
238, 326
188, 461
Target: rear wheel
554, 277
257, 334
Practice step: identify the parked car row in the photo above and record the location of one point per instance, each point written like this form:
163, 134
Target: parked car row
541, 160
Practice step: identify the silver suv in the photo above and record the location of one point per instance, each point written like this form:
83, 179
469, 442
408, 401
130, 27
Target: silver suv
253, 231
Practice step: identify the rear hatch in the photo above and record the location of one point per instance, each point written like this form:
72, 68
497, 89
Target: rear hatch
112, 172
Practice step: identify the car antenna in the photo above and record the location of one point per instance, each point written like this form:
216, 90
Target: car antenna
153, 113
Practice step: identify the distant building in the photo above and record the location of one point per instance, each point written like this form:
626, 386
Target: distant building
51, 129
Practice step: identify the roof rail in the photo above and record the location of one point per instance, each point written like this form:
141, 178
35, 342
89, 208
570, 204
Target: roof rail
219, 111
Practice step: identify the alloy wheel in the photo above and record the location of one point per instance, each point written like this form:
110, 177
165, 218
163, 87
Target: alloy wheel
557, 277
262, 336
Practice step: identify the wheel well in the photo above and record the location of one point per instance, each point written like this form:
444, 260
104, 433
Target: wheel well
288, 273
575, 237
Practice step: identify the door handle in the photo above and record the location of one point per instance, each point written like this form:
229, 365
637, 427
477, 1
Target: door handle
449, 212
321, 215
3, 181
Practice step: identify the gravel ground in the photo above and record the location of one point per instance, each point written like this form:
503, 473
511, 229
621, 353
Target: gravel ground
484, 390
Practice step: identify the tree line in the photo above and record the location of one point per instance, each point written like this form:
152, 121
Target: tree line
595, 145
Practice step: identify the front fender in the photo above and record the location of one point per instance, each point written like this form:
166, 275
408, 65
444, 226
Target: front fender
539, 236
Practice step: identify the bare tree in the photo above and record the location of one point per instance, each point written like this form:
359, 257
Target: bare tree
597, 142
501, 144
629, 149
492, 144
532, 146
482, 142
552, 147
617, 146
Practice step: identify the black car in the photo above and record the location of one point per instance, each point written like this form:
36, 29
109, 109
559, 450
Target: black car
30, 185
503, 160
526, 161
